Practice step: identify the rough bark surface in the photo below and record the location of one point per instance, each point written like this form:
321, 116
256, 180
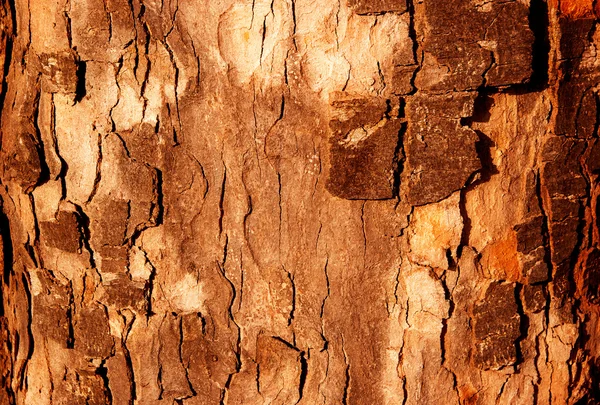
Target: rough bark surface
299, 202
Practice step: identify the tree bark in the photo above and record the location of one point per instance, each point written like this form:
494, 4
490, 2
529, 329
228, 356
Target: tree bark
299, 202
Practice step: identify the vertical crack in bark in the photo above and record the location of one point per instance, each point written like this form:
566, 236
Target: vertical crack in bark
157, 209
10, 33
84, 224
159, 382
303, 374
110, 21
540, 26
523, 326
337, 24
149, 288
102, 372
399, 156
68, 24
262, 44
346, 390
225, 251
172, 58
466, 229
238, 349
327, 284
222, 200
35, 247
159, 376
110, 112
6, 376
538, 354
172, 27
22, 381
183, 364
294, 24
417, 52
70, 314
444, 332
501, 391
249, 211
204, 178
80, 87
98, 171
61, 175
487, 69
545, 224
146, 79
400, 364
44, 174
198, 63
135, 39
364, 233
293, 306
257, 378
128, 361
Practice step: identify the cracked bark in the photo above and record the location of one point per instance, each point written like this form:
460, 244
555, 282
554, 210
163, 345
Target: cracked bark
299, 202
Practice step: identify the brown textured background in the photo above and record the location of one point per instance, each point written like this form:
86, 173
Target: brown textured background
299, 202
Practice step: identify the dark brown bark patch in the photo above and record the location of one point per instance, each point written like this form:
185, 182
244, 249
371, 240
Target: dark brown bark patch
534, 298
530, 243
466, 45
440, 151
64, 233
496, 327
59, 72
363, 149
53, 305
92, 333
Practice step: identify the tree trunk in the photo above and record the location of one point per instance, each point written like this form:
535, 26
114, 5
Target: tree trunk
299, 202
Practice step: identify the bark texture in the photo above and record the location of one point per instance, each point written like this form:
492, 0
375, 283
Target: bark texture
299, 202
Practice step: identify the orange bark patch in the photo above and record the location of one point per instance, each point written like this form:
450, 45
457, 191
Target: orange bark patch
578, 8
499, 259
468, 394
